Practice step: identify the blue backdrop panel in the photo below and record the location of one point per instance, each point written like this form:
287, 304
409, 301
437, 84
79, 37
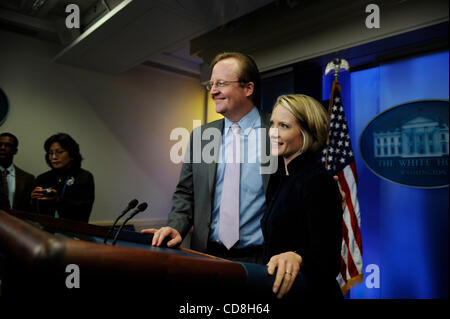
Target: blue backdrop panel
404, 229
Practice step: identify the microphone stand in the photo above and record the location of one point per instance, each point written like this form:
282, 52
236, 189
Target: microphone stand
140, 208
131, 205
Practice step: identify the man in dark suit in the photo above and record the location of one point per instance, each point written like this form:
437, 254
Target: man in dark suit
15, 184
198, 200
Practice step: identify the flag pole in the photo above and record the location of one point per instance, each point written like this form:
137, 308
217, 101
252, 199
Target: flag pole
334, 65
330, 105
339, 160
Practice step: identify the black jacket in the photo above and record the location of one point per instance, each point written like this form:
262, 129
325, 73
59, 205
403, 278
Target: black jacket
24, 186
76, 190
304, 214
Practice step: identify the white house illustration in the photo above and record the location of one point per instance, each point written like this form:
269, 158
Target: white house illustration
419, 137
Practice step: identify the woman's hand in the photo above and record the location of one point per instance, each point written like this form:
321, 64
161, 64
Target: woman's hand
288, 266
38, 193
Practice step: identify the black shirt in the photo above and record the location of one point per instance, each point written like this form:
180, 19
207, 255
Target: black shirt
304, 215
76, 191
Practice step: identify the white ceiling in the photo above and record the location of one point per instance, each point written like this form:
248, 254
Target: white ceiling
123, 34
117, 35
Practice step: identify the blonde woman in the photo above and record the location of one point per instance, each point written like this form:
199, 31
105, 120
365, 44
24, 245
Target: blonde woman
302, 225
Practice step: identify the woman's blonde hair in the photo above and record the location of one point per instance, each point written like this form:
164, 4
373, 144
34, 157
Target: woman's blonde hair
311, 116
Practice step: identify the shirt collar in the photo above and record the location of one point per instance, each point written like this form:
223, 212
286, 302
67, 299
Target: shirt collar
11, 170
249, 121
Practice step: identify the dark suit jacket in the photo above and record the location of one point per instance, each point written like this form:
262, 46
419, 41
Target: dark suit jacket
78, 198
304, 214
194, 195
24, 187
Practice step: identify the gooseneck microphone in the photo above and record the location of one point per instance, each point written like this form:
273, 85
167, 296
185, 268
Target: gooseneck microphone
130, 206
140, 208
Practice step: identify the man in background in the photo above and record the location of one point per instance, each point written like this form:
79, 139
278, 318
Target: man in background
15, 184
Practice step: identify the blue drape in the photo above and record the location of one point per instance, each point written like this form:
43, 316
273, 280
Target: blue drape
404, 229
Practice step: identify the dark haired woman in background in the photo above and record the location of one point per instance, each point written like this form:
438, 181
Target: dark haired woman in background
67, 190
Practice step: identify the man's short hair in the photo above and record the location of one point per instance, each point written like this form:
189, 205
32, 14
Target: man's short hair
248, 72
16, 141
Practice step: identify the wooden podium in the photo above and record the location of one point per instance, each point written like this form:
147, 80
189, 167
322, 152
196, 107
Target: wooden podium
36, 251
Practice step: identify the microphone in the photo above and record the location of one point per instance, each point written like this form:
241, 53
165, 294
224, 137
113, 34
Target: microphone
130, 206
140, 208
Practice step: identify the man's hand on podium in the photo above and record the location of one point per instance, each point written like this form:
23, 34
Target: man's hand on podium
160, 234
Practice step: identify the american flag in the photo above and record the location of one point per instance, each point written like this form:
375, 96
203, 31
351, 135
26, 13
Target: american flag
339, 160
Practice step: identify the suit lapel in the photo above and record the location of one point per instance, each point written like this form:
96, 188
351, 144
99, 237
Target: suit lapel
20, 185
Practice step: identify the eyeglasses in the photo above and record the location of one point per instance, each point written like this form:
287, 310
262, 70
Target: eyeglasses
219, 83
56, 153
7, 145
